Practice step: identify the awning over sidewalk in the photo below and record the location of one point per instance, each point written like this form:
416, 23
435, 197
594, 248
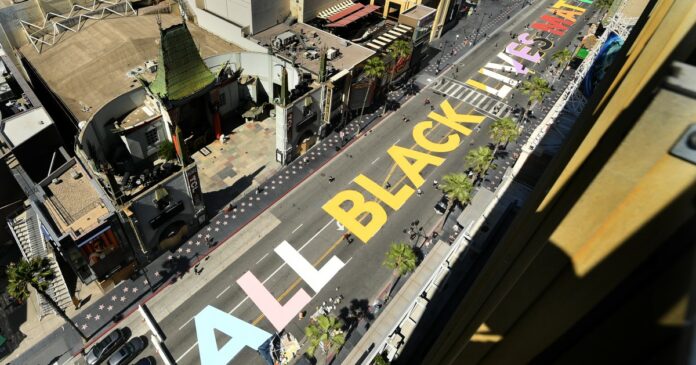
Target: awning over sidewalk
345, 12
355, 16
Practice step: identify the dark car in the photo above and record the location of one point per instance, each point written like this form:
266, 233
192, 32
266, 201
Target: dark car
441, 206
105, 347
146, 361
126, 353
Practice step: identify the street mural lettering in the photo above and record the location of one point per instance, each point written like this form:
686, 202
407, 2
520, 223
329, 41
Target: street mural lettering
560, 17
241, 334
363, 217
411, 163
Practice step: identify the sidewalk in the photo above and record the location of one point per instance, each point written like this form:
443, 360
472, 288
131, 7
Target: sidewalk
103, 313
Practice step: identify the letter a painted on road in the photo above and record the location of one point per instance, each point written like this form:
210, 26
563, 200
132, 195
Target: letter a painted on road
279, 315
242, 334
316, 279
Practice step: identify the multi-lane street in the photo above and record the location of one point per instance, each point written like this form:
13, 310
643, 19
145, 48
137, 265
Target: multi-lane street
470, 83
300, 220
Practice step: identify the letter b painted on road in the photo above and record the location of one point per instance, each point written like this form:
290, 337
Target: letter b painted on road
350, 218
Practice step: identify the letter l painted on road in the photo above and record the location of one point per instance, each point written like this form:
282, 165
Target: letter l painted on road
316, 279
279, 315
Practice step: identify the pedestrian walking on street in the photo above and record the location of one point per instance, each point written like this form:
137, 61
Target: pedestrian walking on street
435, 184
209, 240
419, 192
331, 179
387, 185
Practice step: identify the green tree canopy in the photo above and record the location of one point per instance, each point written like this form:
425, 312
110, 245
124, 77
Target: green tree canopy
374, 69
504, 130
563, 56
35, 273
401, 258
400, 48
479, 159
324, 333
536, 89
457, 187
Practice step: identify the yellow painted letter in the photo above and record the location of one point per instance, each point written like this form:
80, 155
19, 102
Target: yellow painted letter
394, 201
400, 156
452, 118
349, 218
423, 141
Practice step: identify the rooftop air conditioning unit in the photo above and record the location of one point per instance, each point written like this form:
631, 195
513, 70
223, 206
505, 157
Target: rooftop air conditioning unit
332, 53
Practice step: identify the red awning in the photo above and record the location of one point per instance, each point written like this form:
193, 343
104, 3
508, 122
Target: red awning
345, 12
355, 16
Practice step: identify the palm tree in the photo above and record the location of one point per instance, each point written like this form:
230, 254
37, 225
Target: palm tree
537, 89
373, 70
401, 259
38, 274
398, 50
563, 56
457, 187
479, 160
325, 333
503, 130
603, 4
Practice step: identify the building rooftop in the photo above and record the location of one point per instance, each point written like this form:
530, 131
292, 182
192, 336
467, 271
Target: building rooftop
25, 125
418, 12
181, 71
311, 39
89, 68
72, 200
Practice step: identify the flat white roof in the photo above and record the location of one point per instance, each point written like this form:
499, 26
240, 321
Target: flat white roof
23, 126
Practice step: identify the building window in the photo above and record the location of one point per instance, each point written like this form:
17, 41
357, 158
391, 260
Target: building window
152, 137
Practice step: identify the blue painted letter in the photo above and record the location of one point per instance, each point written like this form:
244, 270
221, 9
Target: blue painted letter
241, 333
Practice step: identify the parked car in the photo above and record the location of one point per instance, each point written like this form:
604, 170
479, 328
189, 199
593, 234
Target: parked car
105, 347
146, 361
128, 352
441, 206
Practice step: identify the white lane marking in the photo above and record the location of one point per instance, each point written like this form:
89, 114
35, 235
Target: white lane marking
222, 292
373, 162
246, 297
298, 227
264, 256
186, 353
238, 305
184, 325
397, 141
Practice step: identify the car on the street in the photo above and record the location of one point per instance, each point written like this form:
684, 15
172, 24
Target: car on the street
128, 352
150, 360
441, 205
105, 347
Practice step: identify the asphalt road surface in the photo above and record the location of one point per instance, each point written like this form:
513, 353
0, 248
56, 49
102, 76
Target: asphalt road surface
317, 236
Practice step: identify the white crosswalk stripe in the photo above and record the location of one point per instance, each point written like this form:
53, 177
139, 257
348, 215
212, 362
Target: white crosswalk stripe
487, 105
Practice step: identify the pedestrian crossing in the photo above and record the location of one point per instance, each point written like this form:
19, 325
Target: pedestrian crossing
485, 104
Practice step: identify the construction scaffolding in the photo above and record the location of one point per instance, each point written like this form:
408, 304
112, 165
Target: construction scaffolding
55, 24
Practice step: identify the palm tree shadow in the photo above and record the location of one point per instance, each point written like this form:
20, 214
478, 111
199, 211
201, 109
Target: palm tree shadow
176, 267
356, 310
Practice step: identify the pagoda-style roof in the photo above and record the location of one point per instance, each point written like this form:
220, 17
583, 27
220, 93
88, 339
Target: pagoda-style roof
181, 72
